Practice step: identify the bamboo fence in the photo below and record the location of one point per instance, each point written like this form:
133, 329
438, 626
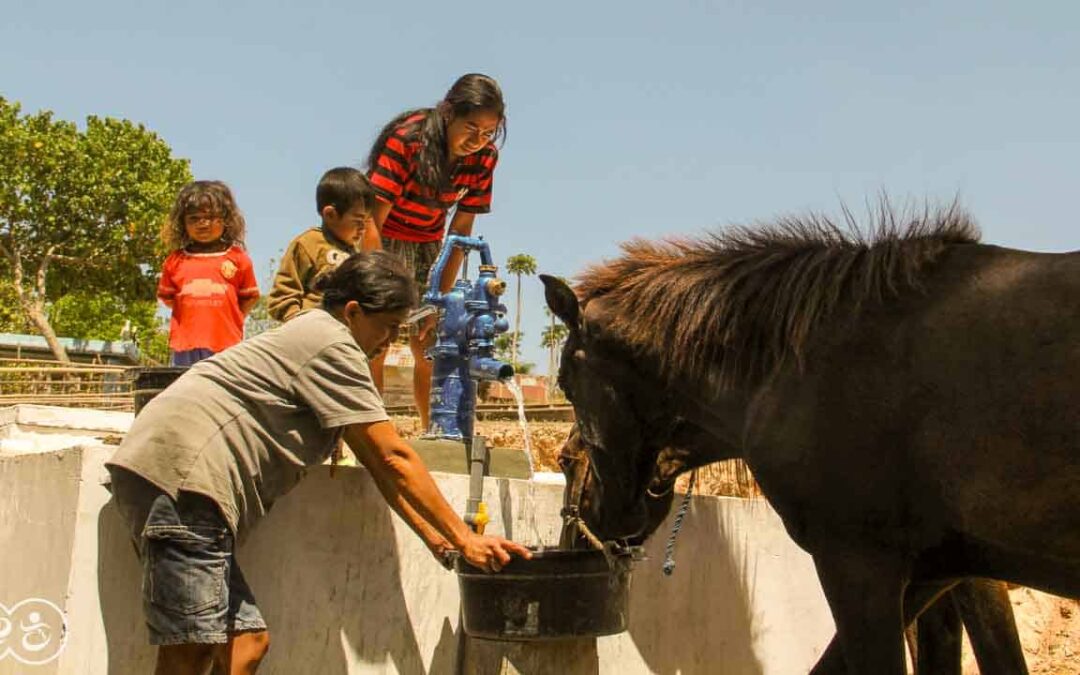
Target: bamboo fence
56, 383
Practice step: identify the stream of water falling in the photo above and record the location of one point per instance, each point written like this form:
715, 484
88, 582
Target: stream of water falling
529, 506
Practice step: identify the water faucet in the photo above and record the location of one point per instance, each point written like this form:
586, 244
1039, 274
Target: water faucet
470, 316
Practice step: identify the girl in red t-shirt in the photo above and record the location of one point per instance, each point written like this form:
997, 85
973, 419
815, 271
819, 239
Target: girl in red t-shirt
208, 280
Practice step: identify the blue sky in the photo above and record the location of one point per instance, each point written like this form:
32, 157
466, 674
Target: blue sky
625, 119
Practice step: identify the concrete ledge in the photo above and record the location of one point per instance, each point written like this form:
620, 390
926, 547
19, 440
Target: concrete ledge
347, 588
45, 418
451, 457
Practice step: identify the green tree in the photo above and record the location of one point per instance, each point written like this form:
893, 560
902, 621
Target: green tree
552, 337
258, 319
519, 265
80, 211
11, 319
104, 316
508, 348
505, 346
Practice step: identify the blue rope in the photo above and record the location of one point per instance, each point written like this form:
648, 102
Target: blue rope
669, 551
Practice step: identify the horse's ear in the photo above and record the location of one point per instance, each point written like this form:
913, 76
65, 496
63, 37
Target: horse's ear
561, 300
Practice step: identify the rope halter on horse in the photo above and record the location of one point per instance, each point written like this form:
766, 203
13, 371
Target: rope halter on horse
575, 489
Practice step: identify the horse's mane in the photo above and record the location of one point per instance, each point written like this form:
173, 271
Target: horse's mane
759, 291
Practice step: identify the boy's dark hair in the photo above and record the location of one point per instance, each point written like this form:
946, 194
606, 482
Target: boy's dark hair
377, 280
342, 188
470, 93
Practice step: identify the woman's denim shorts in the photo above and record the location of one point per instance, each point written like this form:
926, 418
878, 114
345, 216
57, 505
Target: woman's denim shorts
193, 591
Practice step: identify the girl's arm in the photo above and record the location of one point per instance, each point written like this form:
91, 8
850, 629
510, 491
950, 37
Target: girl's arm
462, 224
166, 290
247, 287
476, 200
371, 240
247, 303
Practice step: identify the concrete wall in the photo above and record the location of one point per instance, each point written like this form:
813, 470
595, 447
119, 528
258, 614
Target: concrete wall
347, 588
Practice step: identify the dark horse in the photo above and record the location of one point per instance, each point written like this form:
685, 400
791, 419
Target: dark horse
905, 399
981, 606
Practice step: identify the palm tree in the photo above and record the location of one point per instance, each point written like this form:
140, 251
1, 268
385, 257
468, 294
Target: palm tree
521, 264
553, 338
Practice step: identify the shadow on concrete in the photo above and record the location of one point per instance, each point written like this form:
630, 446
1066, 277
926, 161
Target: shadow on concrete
565, 657
328, 581
698, 621
119, 578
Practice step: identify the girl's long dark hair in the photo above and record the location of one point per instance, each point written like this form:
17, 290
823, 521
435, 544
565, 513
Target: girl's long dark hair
470, 93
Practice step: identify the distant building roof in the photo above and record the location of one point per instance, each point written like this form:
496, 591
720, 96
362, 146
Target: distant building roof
104, 351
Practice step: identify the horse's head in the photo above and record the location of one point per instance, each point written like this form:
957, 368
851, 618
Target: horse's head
623, 420
581, 495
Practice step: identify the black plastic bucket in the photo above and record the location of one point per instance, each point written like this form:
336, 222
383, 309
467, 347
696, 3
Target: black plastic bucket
556, 595
149, 382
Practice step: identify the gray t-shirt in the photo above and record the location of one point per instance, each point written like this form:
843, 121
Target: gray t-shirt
242, 426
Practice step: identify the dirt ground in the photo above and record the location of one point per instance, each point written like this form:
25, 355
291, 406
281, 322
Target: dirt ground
1049, 630
1049, 626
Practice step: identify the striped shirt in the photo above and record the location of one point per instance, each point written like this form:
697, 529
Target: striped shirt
416, 214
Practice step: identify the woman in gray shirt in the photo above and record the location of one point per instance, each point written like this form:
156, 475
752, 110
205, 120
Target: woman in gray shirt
210, 455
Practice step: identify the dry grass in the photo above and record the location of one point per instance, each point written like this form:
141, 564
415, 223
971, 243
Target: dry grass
729, 479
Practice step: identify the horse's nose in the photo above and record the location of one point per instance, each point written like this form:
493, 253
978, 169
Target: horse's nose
623, 521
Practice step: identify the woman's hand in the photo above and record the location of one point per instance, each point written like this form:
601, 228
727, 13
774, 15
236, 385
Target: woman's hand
409, 489
491, 554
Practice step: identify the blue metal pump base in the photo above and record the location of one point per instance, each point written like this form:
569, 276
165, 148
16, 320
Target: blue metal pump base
470, 317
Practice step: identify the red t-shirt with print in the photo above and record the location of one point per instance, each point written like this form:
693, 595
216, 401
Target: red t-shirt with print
205, 290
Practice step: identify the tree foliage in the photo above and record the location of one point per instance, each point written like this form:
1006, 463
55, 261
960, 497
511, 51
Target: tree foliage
104, 316
519, 265
258, 319
80, 212
508, 350
552, 338
11, 318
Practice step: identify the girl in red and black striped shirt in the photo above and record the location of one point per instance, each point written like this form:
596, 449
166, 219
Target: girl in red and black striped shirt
424, 163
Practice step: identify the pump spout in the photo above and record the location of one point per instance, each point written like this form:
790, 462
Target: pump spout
486, 368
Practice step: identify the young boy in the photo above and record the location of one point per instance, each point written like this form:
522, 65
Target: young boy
344, 199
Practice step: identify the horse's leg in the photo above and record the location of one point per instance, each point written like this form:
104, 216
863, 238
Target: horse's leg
987, 615
831, 661
987, 612
864, 590
940, 638
917, 597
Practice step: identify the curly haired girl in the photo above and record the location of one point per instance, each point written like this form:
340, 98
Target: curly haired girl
207, 280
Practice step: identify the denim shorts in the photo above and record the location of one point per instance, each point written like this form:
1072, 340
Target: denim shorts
193, 591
